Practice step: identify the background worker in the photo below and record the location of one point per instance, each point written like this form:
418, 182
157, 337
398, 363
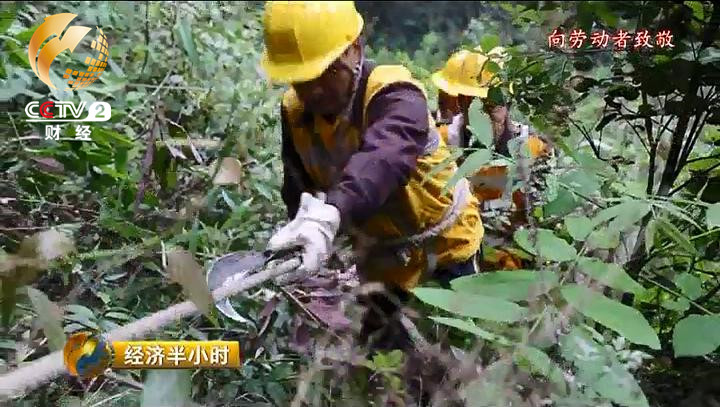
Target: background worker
464, 78
357, 144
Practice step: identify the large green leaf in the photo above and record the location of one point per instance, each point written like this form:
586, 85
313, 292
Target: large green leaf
578, 227
185, 31
469, 166
690, 285
522, 238
675, 234
610, 274
622, 319
603, 238
563, 204
632, 212
471, 305
470, 327
696, 335
599, 368
713, 216
480, 124
49, 317
167, 388
536, 361
627, 212
552, 247
488, 42
581, 181
512, 285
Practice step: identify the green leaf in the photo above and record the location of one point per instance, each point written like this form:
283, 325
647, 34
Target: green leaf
600, 369
7, 16
675, 234
511, 285
628, 211
167, 388
479, 124
690, 285
563, 204
50, 318
538, 362
488, 42
679, 213
632, 212
473, 162
578, 227
650, 230
610, 274
552, 247
697, 9
471, 305
184, 270
603, 239
522, 238
470, 327
622, 319
584, 182
713, 216
696, 335
185, 33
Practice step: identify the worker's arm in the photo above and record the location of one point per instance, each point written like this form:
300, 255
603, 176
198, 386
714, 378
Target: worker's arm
295, 179
396, 134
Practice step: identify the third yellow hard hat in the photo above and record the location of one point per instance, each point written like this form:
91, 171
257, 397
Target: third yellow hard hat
465, 73
302, 38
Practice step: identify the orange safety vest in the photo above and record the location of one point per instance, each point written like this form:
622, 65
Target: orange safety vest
412, 209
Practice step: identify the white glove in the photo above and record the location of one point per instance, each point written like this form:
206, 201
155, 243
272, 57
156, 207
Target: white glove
314, 228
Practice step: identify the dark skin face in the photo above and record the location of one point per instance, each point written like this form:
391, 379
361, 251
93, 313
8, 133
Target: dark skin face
329, 93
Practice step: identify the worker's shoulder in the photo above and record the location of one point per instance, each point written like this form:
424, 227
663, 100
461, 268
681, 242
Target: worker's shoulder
384, 75
290, 101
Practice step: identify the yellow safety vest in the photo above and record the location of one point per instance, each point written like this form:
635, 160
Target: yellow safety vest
412, 209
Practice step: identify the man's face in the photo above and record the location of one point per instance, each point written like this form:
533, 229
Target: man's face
450, 106
329, 93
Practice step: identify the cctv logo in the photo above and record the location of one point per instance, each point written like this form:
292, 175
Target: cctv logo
52, 111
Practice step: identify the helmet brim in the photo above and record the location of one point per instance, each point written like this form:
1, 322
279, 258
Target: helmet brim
455, 89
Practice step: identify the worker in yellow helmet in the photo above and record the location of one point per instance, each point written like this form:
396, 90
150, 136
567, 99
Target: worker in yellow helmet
358, 147
464, 78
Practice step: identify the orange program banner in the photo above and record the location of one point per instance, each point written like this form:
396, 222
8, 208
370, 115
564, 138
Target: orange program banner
175, 354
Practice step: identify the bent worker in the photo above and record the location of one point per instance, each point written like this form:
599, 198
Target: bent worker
358, 144
464, 78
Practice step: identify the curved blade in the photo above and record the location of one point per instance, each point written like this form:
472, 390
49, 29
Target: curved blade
236, 265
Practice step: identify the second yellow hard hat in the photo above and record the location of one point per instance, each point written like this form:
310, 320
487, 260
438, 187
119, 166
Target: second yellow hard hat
465, 73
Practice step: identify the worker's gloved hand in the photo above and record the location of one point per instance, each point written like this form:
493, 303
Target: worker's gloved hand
314, 229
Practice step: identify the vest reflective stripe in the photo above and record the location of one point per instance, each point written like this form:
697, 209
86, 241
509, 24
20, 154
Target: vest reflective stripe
414, 207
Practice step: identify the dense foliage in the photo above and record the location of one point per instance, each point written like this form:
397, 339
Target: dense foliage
621, 301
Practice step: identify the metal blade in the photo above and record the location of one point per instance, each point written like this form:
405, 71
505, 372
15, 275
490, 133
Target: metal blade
236, 265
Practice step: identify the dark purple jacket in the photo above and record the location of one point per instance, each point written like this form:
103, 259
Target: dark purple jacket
396, 133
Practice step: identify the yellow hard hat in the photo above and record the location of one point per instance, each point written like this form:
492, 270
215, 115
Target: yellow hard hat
302, 38
465, 74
